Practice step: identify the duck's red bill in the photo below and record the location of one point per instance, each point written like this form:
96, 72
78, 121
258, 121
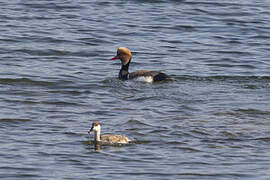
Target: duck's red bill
114, 58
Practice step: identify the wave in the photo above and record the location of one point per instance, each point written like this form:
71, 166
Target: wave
221, 77
14, 120
27, 81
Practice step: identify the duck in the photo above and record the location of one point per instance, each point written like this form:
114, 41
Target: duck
107, 139
125, 57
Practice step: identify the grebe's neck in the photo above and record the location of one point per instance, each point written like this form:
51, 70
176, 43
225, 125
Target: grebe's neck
97, 135
123, 74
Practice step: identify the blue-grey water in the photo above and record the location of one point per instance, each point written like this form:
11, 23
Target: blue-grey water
211, 122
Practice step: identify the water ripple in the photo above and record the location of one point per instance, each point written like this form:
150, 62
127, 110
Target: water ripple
210, 122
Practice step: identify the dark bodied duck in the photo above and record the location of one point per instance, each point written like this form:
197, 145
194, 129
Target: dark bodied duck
107, 139
125, 56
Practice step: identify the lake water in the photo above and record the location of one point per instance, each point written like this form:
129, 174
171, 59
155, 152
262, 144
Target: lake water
211, 122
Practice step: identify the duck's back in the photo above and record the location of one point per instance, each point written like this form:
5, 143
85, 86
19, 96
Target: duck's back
114, 139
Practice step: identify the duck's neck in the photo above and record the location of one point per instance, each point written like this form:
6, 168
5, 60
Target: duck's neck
97, 135
123, 74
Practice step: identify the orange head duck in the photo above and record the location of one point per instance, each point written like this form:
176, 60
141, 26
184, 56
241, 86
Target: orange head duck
125, 56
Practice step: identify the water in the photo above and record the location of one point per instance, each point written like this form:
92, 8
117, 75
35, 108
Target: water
211, 122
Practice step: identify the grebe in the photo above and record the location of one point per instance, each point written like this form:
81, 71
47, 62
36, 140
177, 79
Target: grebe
107, 138
125, 56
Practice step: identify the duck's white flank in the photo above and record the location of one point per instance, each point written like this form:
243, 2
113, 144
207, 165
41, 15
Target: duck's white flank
107, 138
148, 79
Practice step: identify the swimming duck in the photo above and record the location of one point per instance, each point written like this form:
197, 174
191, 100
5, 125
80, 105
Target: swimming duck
125, 56
107, 138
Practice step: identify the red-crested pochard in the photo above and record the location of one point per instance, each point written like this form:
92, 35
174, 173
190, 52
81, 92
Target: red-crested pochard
125, 56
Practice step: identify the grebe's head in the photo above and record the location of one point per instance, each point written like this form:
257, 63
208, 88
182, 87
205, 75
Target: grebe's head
123, 54
95, 127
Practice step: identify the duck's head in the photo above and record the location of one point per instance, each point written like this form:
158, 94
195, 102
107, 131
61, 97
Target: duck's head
95, 127
124, 55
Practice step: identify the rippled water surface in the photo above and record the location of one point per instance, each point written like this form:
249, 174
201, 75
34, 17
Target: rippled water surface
211, 122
